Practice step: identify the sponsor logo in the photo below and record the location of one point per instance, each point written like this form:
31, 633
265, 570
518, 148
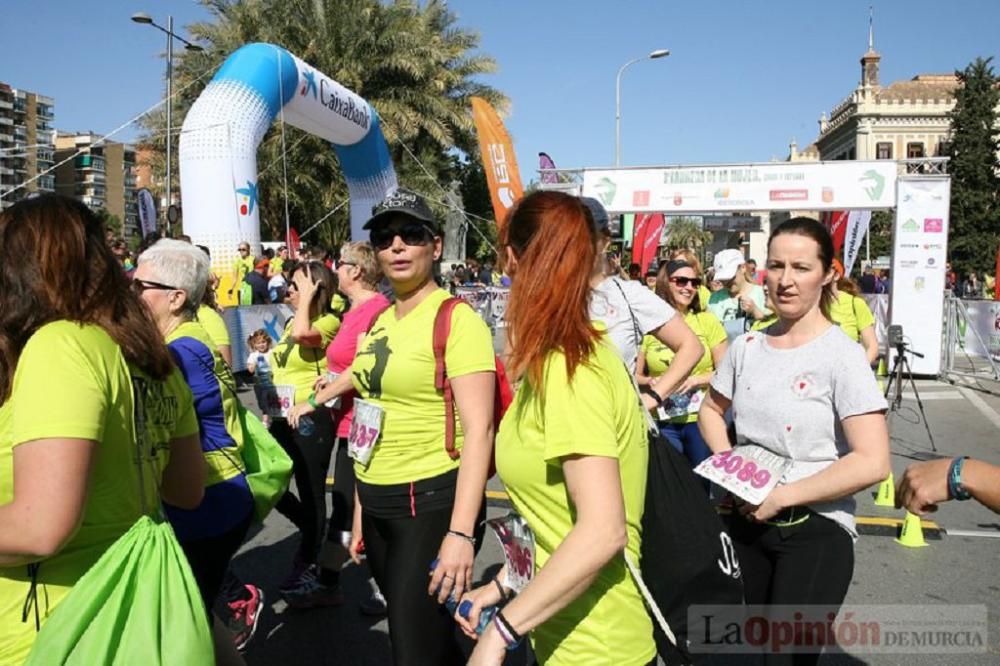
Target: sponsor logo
910, 225
678, 199
933, 225
930, 262
910, 246
909, 263
640, 198
827, 195
932, 246
248, 198
501, 171
606, 189
789, 195
329, 96
874, 184
722, 193
309, 83
919, 283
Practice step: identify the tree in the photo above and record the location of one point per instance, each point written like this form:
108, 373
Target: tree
975, 215
408, 59
686, 233
111, 222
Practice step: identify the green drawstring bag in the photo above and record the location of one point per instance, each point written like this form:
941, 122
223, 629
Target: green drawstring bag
245, 294
138, 604
267, 466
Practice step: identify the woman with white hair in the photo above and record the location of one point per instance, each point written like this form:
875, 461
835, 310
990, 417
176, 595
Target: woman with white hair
171, 278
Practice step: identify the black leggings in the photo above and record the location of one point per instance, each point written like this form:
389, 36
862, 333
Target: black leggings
209, 559
310, 456
403, 533
810, 563
342, 515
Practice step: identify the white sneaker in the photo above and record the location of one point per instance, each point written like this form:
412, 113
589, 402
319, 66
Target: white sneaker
374, 605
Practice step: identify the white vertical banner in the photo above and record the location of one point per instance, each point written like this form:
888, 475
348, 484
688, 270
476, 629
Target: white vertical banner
857, 227
919, 253
147, 212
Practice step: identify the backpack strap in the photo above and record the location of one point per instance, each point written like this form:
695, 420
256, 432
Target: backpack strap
442, 327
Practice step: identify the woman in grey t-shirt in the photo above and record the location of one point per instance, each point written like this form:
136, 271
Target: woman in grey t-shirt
802, 390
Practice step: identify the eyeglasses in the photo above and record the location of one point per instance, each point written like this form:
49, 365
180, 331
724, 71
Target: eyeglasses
244, 249
139, 286
685, 281
411, 233
340, 262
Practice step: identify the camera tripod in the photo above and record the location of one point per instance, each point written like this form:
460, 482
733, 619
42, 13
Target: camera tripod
900, 366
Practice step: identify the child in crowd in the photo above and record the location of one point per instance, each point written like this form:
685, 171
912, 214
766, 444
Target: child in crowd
259, 365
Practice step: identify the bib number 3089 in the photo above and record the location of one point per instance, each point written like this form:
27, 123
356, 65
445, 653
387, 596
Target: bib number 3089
750, 472
366, 428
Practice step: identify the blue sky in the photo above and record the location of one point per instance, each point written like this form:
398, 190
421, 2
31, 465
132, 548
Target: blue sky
744, 77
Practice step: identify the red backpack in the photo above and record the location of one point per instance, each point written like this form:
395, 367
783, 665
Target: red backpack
503, 395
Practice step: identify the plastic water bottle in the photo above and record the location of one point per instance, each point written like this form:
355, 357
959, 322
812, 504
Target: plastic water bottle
306, 426
485, 615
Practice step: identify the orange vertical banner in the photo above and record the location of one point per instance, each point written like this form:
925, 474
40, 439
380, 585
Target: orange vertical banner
499, 161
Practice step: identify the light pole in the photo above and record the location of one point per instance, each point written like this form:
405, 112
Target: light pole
658, 53
142, 17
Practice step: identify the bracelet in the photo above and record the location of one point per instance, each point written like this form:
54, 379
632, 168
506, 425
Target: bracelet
955, 489
648, 390
462, 535
507, 633
312, 401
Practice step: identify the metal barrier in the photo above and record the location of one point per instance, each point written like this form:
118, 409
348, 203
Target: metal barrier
972, 339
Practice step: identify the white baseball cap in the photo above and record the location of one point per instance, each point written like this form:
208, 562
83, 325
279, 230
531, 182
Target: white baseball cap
726, 263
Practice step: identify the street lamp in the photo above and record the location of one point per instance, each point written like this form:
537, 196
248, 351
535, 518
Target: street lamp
142, 17
658, 53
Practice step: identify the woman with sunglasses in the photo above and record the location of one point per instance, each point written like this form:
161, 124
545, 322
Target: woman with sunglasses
678, 283
358, 277
629, 310
76, 349
298, 360
171, 277
420, 508
572, 452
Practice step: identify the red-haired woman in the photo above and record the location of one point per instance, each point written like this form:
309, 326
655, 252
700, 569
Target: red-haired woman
572, 452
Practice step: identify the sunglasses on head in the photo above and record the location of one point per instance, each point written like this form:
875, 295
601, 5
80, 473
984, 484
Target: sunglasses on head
411, 233
685, 281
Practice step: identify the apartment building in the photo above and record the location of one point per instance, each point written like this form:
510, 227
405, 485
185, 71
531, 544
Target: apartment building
101, 175
26, 143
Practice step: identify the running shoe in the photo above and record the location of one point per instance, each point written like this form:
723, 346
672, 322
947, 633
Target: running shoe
374, 605
294, 579
244, 615
310, 593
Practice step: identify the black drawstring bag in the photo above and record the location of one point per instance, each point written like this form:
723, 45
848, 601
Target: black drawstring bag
687, 556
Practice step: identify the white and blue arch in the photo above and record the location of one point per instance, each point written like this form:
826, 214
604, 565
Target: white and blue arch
223, 129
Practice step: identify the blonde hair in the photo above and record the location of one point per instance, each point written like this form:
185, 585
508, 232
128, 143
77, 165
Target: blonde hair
690, 257
259, 334
362, 255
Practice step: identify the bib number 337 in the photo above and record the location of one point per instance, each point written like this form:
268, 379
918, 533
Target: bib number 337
366, 428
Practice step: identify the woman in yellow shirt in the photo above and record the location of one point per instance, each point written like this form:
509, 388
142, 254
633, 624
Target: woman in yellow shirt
572, 451
297, 361
76, 347
679, 284
852, 314
418, 505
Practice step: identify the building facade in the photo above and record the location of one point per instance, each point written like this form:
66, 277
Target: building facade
101, 175
26, 143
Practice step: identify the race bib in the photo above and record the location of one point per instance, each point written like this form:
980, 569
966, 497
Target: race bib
750, 472
335, 402
366, 427
278, 399
518, 542
680, 404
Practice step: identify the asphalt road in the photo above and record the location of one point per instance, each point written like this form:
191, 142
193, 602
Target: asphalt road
958, 567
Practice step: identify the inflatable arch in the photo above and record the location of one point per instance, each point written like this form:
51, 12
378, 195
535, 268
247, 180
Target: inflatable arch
221, 133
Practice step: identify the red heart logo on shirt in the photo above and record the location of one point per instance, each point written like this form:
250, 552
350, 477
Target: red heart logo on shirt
788, 428
802, 385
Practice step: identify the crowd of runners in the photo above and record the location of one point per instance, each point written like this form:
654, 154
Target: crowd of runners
117, 398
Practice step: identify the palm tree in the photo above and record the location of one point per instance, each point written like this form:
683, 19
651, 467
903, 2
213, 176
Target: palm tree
411, 62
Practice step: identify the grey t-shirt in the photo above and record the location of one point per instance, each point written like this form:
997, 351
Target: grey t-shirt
615, 302
792, 402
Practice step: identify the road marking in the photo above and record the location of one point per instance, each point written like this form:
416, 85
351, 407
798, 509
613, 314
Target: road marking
981, 405
934, 396
973, 533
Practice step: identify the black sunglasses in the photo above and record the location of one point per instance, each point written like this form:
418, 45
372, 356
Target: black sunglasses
685, 281
340, 262
411, 233
145, 285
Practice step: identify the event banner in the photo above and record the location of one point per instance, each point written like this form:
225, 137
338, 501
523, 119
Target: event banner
147, 211
646, 239
857, 227
920, 249
774, 186
499, 161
